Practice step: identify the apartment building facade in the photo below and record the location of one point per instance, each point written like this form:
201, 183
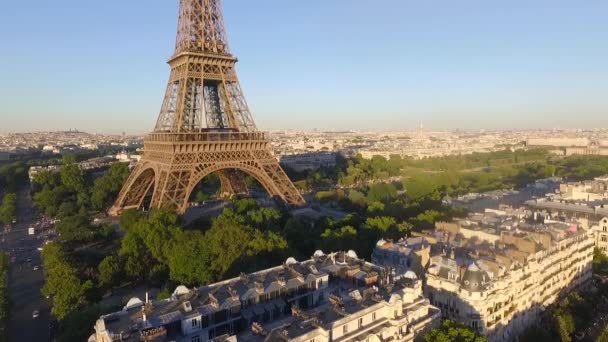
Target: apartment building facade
500, 288
333, 297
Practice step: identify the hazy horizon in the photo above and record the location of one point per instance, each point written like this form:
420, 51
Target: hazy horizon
100, 67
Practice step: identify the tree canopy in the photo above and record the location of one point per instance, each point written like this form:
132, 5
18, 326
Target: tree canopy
8, 208
62, 283
4, 306
452, 332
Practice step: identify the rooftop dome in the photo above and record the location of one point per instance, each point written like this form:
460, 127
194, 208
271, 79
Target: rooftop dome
475, 278
181, 290
133, 303
410, 275
318, 253
394, 298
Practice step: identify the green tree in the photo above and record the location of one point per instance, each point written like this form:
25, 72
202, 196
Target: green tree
145, 245
242, 206
129, 218
375, 207
189, 259
76, 326
8, 209
106, 188
301, 237
66, 209
385, 227
264, 218
137, 258
72, 177
339, 240
427, 219
226, 242
62, 282
13, 176
201, 196
381, 223
357, 198
600, 262
74, 229
325, 196
46, 178
565, 325
50, 199
233, 246
604, 336
452, 332
381, 192
419, 186
4, 307
157, 230
110, 271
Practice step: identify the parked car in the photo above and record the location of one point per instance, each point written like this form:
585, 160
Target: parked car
35, 314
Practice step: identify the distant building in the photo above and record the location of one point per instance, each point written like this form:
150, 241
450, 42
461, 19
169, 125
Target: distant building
308, 161
558, 142
334, 297
587, 191
557, 208
593, 149
127, 157
571, 146
89, 164
601, 234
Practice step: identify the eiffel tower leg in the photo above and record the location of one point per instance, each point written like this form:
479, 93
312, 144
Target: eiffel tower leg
132, 195
226, 188
173, 190
284, 187
238, 183
232, 183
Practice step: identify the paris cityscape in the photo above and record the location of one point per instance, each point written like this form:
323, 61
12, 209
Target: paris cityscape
278, 197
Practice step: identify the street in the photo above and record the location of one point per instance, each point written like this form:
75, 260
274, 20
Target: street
25, 283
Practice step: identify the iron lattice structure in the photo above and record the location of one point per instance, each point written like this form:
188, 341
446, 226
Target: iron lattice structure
204, 125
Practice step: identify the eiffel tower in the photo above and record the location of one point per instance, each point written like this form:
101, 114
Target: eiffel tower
204, 125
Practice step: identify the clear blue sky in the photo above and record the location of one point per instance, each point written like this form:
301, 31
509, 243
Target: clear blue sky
383, 64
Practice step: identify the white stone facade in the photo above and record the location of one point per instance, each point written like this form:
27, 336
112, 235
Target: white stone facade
501, 298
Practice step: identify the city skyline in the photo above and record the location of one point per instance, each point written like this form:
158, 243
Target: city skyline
467, 66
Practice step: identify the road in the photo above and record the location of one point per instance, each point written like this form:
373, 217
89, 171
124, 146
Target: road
25, 283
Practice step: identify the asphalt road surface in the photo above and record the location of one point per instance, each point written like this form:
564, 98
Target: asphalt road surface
25, 283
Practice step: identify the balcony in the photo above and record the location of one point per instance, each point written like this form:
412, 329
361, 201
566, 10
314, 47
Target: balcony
206, 137
510, 310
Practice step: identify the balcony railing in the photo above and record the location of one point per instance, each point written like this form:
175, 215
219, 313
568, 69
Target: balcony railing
207, 137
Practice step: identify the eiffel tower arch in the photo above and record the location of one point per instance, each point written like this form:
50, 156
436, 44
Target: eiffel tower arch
204, 126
